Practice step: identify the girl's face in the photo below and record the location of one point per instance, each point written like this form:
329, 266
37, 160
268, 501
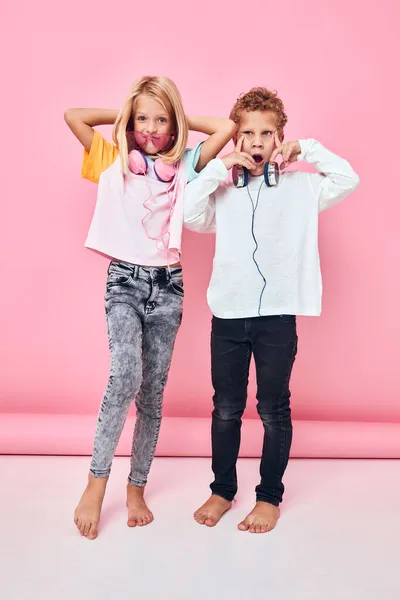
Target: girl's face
151, 118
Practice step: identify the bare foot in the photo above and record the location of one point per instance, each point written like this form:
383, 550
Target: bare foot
262, 518
138, 511
210, 513
87, 513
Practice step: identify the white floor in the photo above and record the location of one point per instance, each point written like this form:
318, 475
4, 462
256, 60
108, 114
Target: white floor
338, 537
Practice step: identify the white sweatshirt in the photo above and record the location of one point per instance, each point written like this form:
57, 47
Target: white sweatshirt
285, 229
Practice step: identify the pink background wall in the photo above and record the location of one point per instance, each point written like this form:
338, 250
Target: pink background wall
334, 66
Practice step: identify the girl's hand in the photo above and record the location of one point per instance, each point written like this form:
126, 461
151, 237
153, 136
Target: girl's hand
237, 157
289, 152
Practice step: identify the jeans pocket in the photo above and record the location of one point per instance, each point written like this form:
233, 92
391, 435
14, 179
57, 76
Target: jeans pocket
177, 288
118, 274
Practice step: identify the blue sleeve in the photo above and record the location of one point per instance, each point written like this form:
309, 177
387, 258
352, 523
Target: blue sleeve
191, 158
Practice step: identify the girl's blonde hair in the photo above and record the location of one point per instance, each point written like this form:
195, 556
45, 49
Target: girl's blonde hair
164, 91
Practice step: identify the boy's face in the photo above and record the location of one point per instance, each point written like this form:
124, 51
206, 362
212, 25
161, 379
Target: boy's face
258, 130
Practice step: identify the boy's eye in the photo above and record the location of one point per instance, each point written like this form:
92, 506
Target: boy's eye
267, 133
247, 132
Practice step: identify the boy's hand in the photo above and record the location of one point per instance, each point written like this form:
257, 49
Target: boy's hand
237, 157
289, 152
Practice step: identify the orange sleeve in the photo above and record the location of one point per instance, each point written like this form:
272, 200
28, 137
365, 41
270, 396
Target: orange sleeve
101, 156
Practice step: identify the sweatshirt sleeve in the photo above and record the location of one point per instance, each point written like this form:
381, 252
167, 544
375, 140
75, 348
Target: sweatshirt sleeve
199, 205
335, 178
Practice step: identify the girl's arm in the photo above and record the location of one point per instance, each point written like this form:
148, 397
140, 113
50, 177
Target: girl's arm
220, 132
82, 120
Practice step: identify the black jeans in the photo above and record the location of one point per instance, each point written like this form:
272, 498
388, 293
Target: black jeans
273, 342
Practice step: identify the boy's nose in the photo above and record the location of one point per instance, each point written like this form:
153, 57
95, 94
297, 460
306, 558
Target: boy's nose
257, 143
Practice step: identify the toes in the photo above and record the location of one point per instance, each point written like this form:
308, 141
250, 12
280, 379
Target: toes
81, 526
200, 517
92, 533
132, 523
210, 522
86, 529
243, 526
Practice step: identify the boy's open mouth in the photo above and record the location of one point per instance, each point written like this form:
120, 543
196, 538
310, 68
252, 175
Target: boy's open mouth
258, 158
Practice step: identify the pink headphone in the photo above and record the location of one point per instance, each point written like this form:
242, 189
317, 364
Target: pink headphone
138, 163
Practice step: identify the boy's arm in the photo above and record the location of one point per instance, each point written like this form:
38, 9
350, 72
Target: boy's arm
82, 120
199, 205
335, 180
220, 131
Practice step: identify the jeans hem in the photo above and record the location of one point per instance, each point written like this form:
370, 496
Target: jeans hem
99, 474
228, 497
136, 482
272, 501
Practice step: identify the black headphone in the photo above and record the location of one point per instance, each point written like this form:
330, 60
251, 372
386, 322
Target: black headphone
240, 175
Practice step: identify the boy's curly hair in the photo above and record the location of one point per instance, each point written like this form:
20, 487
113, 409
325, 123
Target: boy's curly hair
259, 98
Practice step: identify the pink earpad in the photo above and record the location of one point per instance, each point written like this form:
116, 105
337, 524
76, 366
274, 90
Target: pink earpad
137, 162
164, 171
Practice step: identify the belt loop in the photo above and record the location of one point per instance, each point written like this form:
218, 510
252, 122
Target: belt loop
135, 271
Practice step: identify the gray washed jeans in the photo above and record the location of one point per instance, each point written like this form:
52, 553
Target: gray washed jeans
144, 312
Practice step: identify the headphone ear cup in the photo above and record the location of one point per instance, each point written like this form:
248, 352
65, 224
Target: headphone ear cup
137, 162
271, 174
164, 171
240, 176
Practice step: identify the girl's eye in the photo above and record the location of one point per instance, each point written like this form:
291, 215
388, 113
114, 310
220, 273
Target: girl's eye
141, 118
163, 120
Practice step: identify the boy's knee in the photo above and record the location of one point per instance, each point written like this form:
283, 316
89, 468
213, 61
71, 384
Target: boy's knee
227, 413
278, 416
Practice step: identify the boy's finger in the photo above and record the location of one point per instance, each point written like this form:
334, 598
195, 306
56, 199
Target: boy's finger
239, 144
275, 153
249, 157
